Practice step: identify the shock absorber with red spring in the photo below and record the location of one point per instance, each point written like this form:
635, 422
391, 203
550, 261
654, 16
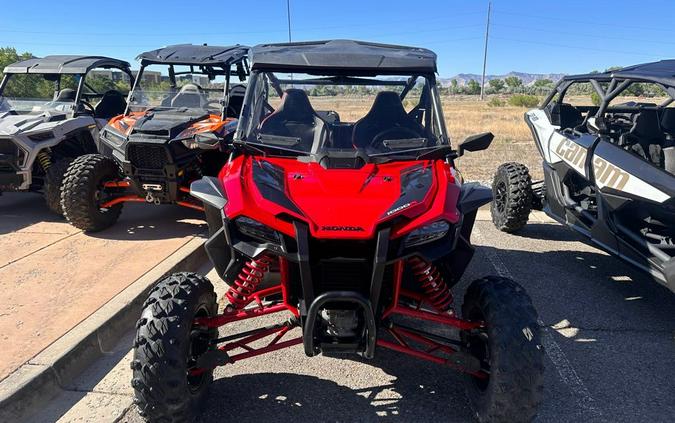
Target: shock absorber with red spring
432, 283
247, 281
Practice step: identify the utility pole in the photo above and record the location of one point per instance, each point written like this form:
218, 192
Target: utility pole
288, 14
487, 33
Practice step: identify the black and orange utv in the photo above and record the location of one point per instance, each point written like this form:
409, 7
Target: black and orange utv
178, 125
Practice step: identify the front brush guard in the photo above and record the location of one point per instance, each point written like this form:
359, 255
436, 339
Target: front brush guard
351, 297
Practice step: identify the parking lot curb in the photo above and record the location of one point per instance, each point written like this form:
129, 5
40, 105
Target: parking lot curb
52, 370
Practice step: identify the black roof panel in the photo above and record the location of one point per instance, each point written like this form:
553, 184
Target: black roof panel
190, 54
342, 57
69, 64
662, 72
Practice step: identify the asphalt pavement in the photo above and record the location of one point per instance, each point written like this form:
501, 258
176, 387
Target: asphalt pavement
609, 336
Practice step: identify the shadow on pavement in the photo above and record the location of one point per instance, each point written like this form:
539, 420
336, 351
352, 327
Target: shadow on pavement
19, 210
141, 222
420, 391
548, 232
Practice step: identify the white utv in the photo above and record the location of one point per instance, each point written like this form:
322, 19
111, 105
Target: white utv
609, 167
47, 118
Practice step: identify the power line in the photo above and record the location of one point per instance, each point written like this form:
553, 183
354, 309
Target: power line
593, 23
267, 31
652, 41
575, 47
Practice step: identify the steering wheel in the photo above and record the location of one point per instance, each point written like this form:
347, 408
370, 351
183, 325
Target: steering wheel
381, 136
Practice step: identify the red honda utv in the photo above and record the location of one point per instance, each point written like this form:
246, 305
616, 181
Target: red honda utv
342, 213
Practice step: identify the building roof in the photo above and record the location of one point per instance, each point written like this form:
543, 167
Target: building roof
342, 57
190, 54
69, 64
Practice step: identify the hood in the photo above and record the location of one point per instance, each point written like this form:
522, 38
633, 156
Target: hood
167, 125
11, 123
336, 203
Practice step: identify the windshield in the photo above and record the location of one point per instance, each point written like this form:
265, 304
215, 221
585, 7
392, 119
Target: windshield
35, 93
302, 114
178, 88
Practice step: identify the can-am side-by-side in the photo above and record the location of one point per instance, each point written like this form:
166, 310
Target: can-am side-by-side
47, 119
609, 169
177, 128
351, 225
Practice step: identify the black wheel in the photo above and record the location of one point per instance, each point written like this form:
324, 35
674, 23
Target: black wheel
509, 349
213, 219
83, 192
167, 346
53, 183
512, 192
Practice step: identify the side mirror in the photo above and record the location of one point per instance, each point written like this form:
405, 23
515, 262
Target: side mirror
476, 142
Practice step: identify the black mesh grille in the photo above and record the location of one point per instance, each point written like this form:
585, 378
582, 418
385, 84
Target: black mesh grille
10, 153
7, 147
147, 156
341, 274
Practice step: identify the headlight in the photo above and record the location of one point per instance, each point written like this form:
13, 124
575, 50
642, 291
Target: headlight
427, 233
204, 141
257, 230
113, 137
41, 136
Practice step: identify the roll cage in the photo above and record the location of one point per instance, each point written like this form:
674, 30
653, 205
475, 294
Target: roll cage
257, 109
210, 61
54, 67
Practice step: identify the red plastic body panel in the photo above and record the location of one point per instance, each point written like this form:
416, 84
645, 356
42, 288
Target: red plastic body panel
332, 199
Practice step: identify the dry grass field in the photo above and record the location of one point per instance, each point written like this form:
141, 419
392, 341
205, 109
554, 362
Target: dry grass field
464, 116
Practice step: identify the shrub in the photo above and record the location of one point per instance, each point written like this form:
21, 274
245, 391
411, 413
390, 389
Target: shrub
524, 100
496, 102
595, 98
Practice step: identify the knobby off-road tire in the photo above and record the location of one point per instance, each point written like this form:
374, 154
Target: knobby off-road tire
512, 197
510, 349
81, 192
53, 182
165, 342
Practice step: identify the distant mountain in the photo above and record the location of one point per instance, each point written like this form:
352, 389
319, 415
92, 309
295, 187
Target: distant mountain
527, 78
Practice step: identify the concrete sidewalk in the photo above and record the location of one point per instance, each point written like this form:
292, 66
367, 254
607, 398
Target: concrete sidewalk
53, 276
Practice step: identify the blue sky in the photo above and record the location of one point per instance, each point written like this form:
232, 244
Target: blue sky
569, 36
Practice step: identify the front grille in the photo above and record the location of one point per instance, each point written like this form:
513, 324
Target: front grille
9, 155
7, 146
342, 264
343, 274
147, 156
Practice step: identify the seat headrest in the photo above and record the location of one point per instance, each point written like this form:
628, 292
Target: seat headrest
387, 103
646, 125
66, 94
112, 93
295, 105
189, 88
668, 120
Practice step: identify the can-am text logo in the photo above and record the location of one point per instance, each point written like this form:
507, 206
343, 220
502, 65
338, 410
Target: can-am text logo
572, 153
343, 228
609, 175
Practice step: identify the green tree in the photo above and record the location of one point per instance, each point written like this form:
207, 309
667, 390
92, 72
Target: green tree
496, 84
542, 83
472, 87
513, 82
454, 86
